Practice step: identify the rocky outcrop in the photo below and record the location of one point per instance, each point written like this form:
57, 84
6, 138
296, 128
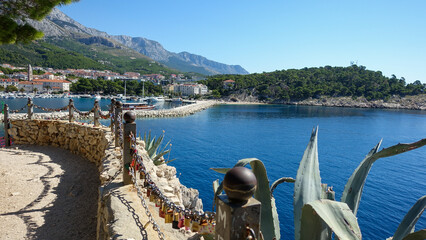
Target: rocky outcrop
395, 102
99, 40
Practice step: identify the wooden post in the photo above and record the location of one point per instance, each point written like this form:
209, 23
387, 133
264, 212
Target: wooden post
6, 125
238, 213
30, 108
96, 114
118, 112
129, 127
71, 110
112, 109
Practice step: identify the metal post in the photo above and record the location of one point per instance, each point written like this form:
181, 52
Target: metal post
30, 106
238, 213
129, 127
6, 125
118, 112
112, 109
96, 113
70, 110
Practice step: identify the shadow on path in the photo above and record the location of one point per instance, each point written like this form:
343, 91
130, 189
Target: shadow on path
72, 213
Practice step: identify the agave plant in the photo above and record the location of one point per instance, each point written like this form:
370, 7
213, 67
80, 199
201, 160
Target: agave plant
152, 146
316, 214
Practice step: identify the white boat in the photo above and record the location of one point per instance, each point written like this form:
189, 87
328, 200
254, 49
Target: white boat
156, 99
177, 100
97, 97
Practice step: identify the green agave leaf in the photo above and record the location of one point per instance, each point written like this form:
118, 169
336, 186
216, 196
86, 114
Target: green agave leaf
336, 215
269, 222
419, 235
221, 170
160, 155
353, 189
307, 187
279, 181
410, 220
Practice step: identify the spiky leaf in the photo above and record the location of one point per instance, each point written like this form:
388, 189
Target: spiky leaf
419, 235
307, 187
410, 220
336, 215
221, 170
281, 180
269, 222
353, 189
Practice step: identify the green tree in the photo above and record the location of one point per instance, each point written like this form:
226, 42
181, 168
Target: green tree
22, 90
11, 88
14, 14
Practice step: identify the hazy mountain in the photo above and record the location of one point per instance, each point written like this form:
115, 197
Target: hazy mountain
57, 24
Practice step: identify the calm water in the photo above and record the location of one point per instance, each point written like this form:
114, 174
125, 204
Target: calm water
278, 135
83, 104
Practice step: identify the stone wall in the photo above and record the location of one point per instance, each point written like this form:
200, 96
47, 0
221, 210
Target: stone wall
115, 220
85, 140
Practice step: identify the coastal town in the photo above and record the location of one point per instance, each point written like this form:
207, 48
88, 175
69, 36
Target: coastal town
23, 80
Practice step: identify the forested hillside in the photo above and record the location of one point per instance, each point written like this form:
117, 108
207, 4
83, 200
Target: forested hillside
293, 84
62, 53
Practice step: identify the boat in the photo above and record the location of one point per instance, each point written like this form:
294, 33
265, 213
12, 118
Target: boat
97, 96
137, 106
156, 99
177, 100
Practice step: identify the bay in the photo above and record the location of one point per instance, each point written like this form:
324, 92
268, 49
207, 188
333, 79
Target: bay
278, 135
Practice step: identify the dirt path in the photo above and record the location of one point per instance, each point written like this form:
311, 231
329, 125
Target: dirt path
47, 193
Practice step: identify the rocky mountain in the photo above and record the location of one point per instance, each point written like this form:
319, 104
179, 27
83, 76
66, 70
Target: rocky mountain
58, 24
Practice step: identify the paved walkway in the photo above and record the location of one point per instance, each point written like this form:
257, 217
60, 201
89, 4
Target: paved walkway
47, 193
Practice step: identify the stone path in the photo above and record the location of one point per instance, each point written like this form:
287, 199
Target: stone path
47, 193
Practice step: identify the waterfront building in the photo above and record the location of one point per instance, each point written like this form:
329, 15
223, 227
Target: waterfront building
187, 89
7, 81
31, 86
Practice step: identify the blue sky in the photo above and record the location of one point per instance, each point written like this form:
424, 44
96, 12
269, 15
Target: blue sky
387, 36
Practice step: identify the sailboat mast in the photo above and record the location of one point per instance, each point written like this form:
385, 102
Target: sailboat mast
124, 90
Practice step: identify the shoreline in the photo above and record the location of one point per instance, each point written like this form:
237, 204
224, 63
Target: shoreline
409, 102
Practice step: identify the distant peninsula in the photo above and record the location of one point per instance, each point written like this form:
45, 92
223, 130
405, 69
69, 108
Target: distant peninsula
352, 86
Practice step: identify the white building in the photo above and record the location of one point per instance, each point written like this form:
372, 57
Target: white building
6, 82
29, 86
190, 89
45, 84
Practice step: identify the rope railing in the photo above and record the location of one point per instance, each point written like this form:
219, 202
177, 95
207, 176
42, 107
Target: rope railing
193, 220
96, 110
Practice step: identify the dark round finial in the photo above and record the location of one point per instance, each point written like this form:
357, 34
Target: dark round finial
129, 116
71, 100
118, 104
239, 184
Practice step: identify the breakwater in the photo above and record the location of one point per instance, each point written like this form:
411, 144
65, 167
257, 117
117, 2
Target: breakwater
162, 113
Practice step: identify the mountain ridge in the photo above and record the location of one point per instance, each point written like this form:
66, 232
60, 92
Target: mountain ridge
58, 24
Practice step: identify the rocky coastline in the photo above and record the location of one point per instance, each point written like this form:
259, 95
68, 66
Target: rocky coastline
395, 102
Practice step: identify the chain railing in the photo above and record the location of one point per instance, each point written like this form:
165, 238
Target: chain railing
191, 220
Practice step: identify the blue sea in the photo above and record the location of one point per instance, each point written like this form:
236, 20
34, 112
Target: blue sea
279, 134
